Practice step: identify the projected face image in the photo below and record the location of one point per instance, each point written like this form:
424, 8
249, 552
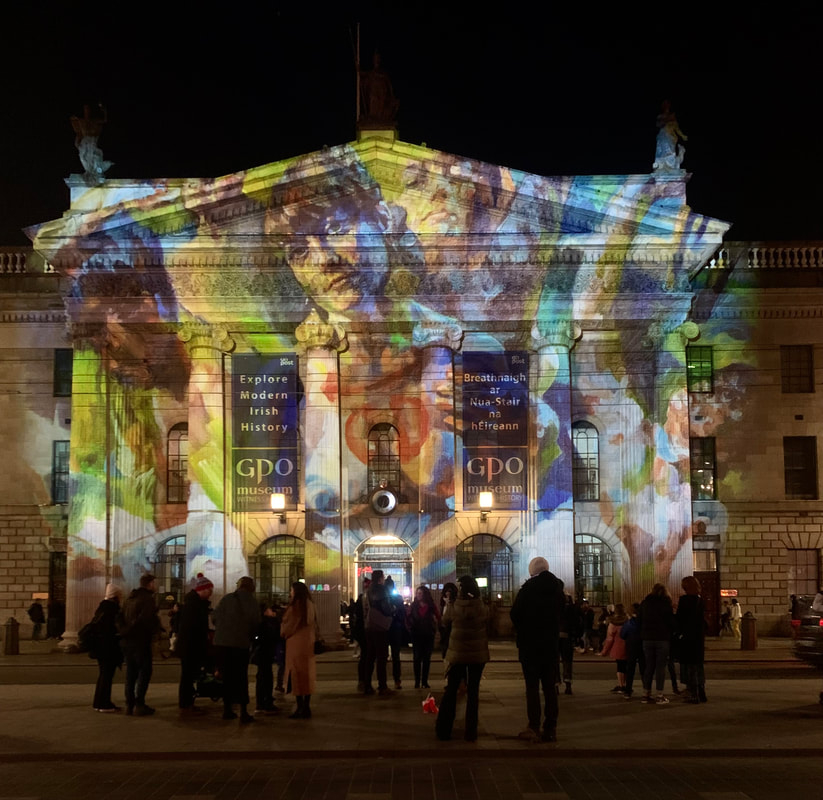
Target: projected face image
343, 248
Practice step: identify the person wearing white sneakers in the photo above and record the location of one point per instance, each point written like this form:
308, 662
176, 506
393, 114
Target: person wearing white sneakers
656, 627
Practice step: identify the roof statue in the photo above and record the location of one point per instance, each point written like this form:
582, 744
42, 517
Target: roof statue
378, 105
669, 153
87, 130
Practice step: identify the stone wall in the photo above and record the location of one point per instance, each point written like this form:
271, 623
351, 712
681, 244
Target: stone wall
27, 537
754, 559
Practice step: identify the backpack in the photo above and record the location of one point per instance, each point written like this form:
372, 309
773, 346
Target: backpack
87, 637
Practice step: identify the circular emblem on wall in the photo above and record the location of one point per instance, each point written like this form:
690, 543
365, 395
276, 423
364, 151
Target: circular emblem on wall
383, 501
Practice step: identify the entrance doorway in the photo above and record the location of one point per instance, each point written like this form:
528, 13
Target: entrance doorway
488, 559
276, 565
593, 570
390, 554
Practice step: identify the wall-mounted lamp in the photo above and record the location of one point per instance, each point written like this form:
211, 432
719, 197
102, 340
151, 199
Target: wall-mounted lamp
278, 505
486, 500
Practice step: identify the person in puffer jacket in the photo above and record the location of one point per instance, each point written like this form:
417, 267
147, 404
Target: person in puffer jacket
467, 655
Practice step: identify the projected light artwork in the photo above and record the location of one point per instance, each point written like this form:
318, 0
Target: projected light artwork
379, 317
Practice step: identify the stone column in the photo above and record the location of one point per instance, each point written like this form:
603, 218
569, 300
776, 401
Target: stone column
322, 343
207, 550
87, 558
673, 557
553, 534
438, 342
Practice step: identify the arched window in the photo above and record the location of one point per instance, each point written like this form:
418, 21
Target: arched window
593, 570
384, 457
277, 564
586, 462
177, 484
170, 569
489, 560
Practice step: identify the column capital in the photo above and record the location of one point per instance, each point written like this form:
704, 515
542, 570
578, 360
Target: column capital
312, 332
689, 331
199, 335
555, 334
436, 333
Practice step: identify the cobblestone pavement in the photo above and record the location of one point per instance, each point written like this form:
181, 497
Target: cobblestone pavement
759, 736
553, 777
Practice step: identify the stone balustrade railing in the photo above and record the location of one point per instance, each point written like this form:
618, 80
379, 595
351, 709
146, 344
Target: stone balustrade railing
748, 255
757, 255
19, 260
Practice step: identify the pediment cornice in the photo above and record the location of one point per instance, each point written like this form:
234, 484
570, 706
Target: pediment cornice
453, 206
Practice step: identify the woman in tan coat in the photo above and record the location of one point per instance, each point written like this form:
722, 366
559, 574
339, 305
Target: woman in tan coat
298, 629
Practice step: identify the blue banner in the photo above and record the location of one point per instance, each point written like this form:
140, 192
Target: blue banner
496, 428
264, 430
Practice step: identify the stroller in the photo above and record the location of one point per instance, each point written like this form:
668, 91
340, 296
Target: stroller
209, 686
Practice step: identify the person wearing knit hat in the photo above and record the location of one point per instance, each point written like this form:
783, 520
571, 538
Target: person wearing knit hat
536, 615
112, 591
193, 641
106, 649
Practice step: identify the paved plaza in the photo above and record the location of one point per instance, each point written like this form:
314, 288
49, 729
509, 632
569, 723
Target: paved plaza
758, 736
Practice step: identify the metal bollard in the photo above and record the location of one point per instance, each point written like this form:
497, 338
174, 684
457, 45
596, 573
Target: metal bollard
748, 632
11, 643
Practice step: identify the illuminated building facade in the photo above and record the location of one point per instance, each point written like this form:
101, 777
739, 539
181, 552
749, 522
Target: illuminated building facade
378, 333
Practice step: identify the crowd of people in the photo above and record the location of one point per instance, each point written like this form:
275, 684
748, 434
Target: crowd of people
214, 661
216, 646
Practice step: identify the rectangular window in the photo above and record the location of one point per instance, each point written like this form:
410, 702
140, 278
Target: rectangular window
804, 571
62, 372
60, 472
797, 368
703, 468
699, 369
177, 489
800, 467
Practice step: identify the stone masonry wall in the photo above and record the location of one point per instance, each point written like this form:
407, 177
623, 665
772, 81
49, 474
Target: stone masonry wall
754, 560
26, 539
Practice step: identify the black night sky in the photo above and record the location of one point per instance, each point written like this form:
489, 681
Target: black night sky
557, 93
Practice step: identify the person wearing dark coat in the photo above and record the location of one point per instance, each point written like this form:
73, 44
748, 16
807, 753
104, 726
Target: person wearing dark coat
38, 618
630, 633
423, 621
379, 616
193, 640
358, 632
656, 628
448, 595
236, 621
571, 629
536, 615
264, 654
106, 649
398, 633
467, 655
690, 625
139, 624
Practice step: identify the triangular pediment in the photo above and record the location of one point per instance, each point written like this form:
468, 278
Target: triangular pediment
382, 229
375, 188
